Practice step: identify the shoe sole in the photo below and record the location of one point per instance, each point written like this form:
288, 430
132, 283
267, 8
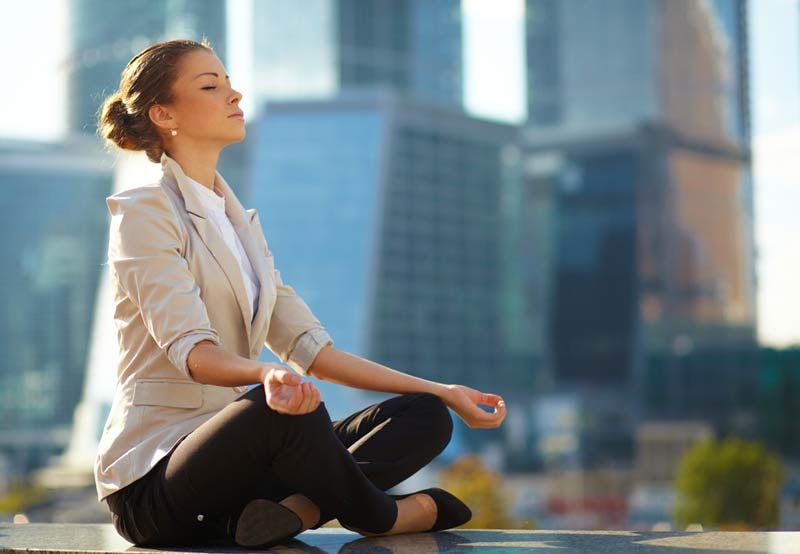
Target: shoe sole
264, 523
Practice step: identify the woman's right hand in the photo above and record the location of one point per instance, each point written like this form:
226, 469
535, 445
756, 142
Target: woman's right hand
287, 393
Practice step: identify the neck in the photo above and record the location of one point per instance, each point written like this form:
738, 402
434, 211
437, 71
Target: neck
200, 165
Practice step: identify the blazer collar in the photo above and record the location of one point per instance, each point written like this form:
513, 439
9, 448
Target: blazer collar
247, 227
233, 208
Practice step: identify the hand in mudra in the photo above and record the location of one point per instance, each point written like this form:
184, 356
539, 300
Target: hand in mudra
287, 393
465, 402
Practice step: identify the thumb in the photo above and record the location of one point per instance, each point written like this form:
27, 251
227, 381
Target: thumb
285, 376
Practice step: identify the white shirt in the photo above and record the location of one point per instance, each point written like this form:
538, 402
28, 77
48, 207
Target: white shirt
307, 346
215, 206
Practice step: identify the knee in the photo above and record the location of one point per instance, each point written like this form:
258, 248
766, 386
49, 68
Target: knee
257, 395
437, 417
316, 417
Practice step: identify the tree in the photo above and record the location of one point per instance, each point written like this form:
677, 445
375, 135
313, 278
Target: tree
731, 484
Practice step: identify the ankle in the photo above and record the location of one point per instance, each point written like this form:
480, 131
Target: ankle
305, 509
415, 514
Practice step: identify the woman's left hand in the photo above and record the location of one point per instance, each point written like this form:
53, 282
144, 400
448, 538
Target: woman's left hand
464, 401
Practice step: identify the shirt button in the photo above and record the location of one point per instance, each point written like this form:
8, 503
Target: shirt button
199, 517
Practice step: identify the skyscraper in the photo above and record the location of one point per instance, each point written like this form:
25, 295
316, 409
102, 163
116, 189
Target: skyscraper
639, 129
53, 196
384, 214
595, 64
317, 48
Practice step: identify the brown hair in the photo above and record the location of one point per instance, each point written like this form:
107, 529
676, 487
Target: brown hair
146, 80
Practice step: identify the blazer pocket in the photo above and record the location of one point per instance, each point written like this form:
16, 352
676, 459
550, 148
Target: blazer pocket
162, 392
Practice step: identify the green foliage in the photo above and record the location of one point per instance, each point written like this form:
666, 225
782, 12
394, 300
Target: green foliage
731, 484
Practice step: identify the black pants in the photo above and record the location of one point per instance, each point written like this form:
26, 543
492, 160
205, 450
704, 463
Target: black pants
249, 450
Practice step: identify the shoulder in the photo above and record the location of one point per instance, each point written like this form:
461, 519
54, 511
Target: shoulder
143, 210
151, 196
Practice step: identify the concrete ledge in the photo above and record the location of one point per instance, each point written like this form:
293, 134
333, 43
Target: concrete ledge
55, 538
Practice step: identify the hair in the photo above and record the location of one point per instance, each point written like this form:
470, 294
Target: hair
147, 79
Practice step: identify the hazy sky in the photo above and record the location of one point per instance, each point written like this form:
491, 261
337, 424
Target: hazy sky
32, 104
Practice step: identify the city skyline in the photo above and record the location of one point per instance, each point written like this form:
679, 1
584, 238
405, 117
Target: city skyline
775, 106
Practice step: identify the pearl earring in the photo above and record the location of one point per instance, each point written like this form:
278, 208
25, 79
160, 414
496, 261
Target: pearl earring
173, 131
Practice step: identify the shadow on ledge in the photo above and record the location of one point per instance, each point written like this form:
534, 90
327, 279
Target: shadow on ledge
102, 538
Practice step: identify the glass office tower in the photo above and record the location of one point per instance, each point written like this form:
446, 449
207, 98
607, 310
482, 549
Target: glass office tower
638, 135
55, 226
316, 48
598, 64
384, 215
104, 36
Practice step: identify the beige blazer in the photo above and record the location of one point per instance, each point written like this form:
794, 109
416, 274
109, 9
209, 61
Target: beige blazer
174, 277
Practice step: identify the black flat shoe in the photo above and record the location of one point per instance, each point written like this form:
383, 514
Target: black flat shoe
264, 523
450, 511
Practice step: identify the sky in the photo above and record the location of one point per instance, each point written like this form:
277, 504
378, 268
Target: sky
32, 106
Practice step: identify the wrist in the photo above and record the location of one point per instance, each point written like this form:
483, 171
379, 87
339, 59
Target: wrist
443, 391
263, 371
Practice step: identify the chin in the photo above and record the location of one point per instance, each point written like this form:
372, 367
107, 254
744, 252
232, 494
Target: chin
238, 137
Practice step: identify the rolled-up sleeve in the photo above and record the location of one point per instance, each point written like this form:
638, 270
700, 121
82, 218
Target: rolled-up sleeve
306, 349
295, 335
145, 259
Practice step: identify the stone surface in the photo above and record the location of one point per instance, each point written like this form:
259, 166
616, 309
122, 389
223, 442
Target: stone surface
34, 538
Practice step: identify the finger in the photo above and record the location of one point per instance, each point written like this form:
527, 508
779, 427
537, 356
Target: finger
499, 414
285, 376
316, 398
308, 398
296, 399
314, 402
489, 418
491, 399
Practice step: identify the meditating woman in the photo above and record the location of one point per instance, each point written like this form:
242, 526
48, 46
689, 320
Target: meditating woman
189, 455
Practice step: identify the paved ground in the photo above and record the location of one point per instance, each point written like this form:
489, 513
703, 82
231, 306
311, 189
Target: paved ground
35, 538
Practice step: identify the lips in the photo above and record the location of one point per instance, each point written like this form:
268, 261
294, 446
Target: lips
237, 114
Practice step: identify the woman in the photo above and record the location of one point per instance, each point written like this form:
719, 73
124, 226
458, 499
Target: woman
185, 458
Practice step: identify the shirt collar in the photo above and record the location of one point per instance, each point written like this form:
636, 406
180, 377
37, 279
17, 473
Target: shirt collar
209, 198
173, 173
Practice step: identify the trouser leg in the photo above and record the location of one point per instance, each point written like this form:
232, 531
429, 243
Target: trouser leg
236, 455
393, 439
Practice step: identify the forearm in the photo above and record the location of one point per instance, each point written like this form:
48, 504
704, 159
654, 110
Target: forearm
343, 368
213, 365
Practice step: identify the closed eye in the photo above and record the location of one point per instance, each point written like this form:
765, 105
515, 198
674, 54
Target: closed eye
207, 88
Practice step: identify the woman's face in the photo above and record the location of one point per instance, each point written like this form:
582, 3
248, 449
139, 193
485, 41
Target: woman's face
204, 102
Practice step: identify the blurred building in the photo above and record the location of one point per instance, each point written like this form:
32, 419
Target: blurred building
385, 215
318, 48
637, 153
55, 226
653, 296
660, 446
779, 400
104, 36
599, 64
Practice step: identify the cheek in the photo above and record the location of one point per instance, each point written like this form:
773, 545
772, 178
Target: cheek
198, 112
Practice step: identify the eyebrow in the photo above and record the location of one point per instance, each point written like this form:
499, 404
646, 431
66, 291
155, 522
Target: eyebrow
212, 73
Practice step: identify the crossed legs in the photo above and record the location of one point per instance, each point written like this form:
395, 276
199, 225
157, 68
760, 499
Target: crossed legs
248, 450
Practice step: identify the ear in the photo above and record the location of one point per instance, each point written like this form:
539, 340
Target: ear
161, 117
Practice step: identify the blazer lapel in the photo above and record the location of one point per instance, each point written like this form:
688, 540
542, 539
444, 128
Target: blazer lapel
245, 223
254, 243
213, 240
